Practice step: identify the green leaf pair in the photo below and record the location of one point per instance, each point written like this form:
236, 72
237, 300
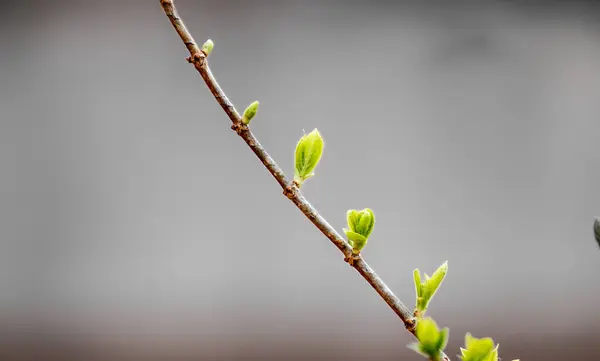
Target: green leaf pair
427, 289
479, 349
360, 226
432, 340
308, 154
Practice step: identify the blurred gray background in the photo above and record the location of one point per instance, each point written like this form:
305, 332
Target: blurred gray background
135, 223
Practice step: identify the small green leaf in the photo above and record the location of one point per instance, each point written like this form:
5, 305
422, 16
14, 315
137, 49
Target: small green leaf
417, 278
431, 340
356, 241
469, 340
479, 349
437, 278
425, 290
353, 236
427, 331
366, 222
250, 112
308, 154
360, 226
443, 339
352, 217
208, 47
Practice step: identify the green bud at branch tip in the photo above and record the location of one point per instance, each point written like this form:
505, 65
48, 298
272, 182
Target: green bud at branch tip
250, 112
208, 47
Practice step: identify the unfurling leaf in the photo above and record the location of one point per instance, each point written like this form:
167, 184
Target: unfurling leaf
479, 349
250, 112
431, 340
426, 290
208, 47
308, 154
360, 226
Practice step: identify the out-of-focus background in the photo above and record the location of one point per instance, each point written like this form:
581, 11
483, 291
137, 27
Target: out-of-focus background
136, 224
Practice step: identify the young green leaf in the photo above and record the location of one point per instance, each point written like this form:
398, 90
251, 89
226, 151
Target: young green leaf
479, 349
366, 223
208, 47
308, 154
426, 290
431, 340
250, 112
437, 278
360, 226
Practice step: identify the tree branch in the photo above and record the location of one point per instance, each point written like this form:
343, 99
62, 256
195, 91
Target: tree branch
290, 189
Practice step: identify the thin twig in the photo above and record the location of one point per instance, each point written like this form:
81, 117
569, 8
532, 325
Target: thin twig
198, 59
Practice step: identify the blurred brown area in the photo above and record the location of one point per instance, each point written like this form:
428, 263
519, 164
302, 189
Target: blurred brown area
135, 225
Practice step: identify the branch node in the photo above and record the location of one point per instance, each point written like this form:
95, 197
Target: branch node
239, 128
198, 59
352, 258
411, 325
291, 190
